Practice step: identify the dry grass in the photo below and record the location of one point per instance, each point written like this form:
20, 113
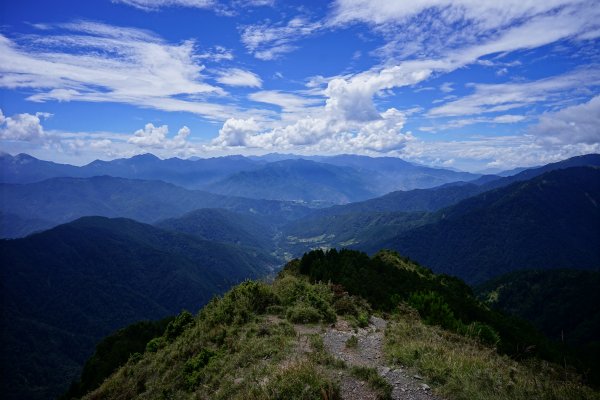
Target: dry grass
462, 368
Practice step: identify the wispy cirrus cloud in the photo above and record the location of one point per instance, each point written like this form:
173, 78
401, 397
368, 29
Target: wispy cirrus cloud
288, 102
218, 6
155, 5
350, 113
490, 98
269, 41
95, 62
238, 77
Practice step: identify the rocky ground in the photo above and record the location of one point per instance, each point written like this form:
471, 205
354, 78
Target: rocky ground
368, 352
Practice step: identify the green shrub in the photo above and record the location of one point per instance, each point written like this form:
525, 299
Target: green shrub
194, 367
380, 386
155, 344
176, 327
345, 306
434, 310
363, 320
483, 332
303, 314
301, 381
352, 342
239, 305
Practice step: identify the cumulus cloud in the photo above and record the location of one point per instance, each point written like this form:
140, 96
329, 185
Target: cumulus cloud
156, 137
239, 77
319, 133
235, 131
23, 127
572, 125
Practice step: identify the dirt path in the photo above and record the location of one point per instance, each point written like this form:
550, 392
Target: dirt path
369, 353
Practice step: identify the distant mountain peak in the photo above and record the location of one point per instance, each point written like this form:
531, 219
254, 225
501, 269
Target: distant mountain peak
145, 157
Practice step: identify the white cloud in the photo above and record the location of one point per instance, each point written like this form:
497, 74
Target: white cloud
267, 41
23, 127
216, 54
500, 97
487, 14
498, 152
235, 131
287, 101
318, 133
154, 5
110, 64
239, 77
350, 110
220, 7
446, 87
156, 137
462, 122
579, 124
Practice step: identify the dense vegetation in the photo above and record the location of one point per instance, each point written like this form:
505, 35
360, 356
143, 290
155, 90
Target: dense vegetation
114, 351
551, 221
563, 304
223, 226
65, 288
298, 180
245, 344
347, 230
61, 200
387, 280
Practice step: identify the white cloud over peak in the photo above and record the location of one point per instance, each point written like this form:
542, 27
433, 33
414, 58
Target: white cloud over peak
23, 127
156, 137
239, 77
318, 133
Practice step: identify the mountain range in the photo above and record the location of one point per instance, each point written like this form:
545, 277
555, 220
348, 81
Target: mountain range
551, 221
94, 253
65, 288
318, 180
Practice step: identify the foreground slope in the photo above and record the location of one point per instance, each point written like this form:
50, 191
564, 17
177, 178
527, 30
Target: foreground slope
302, 339
551, 221
65, 288
563, 304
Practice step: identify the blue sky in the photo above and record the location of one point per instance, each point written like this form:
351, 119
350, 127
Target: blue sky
466, 84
